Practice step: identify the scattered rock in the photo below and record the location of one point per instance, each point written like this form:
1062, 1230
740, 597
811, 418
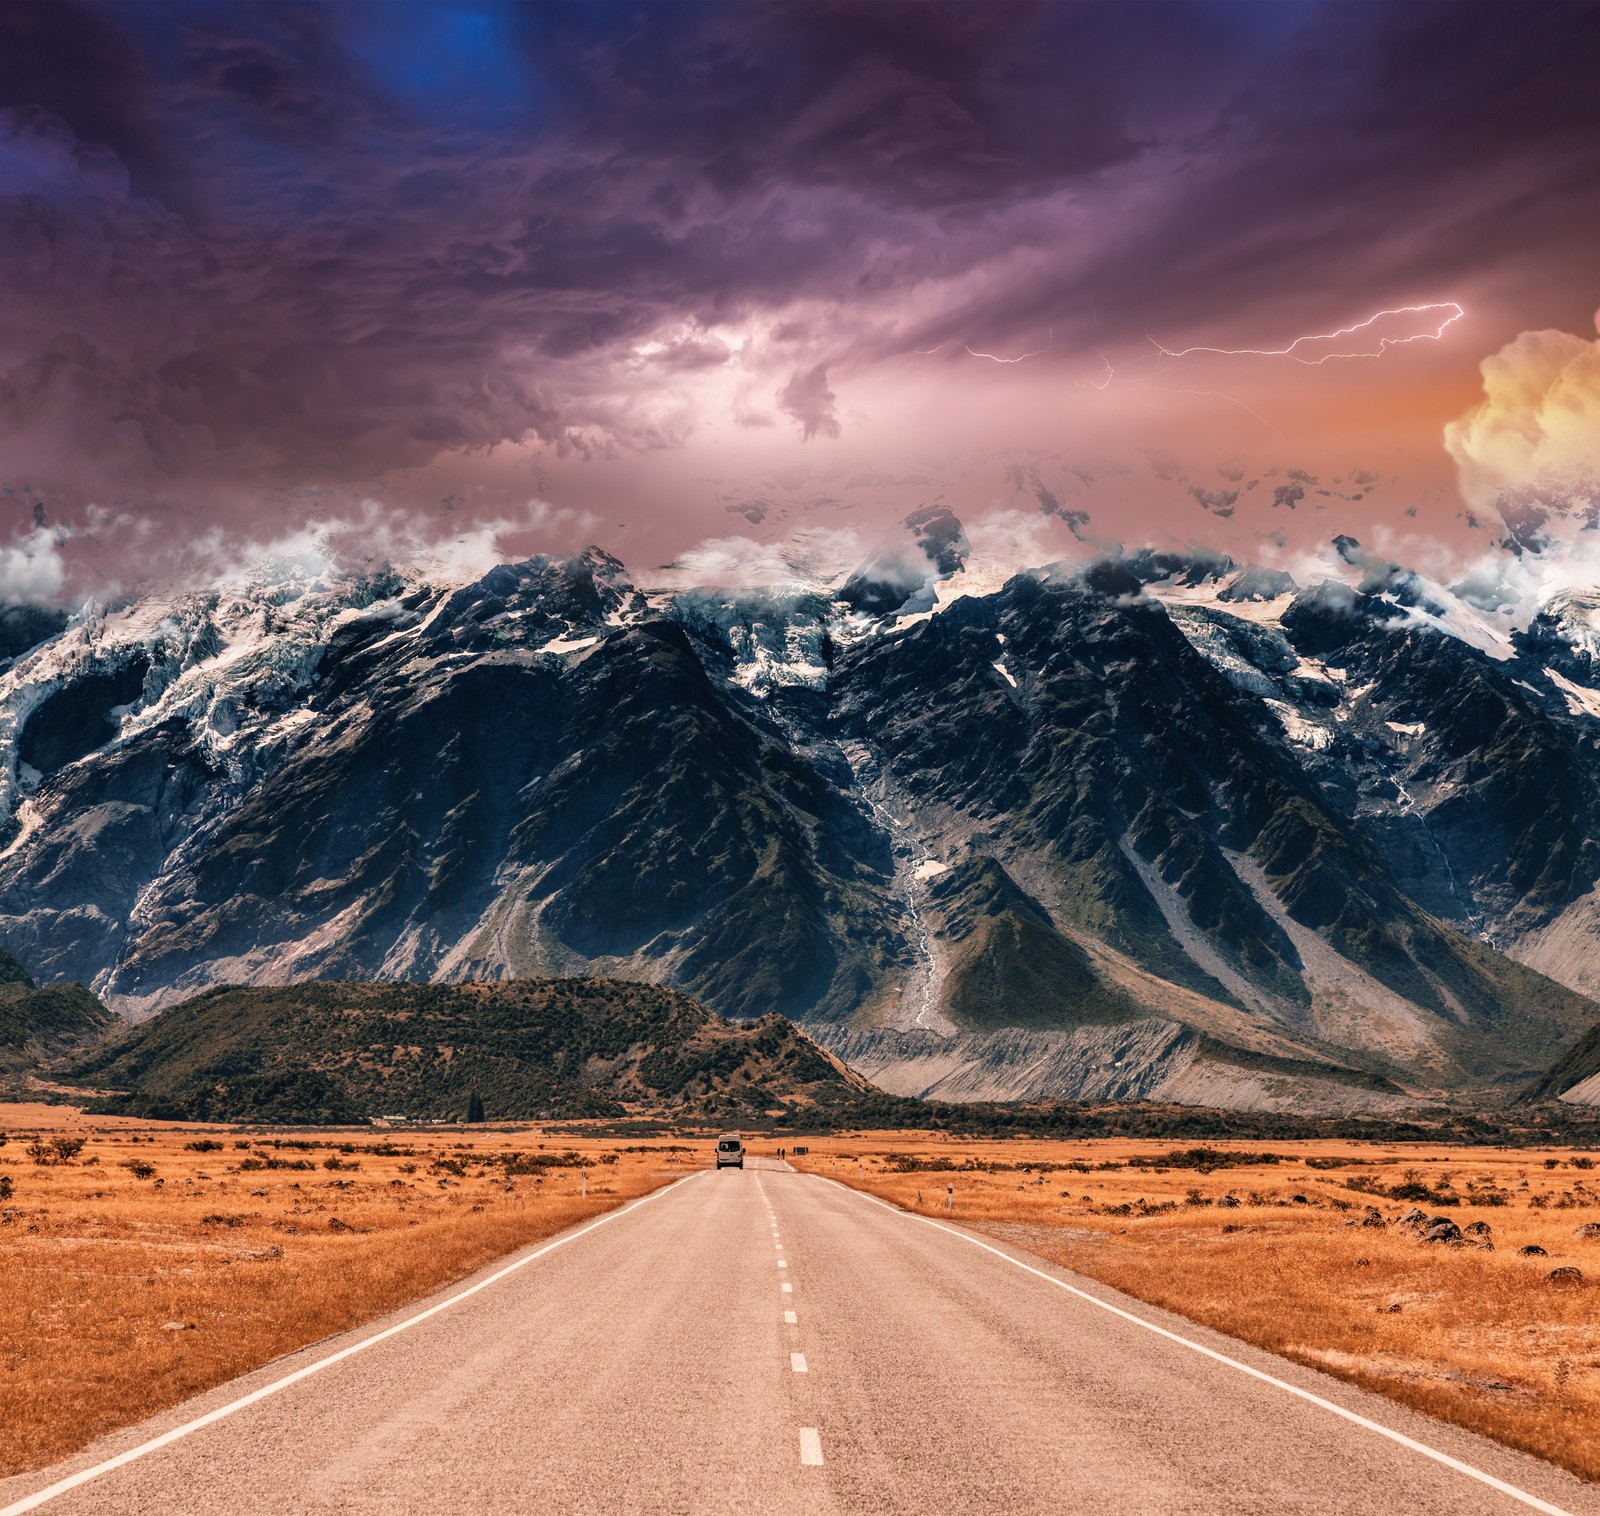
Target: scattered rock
1412, 1217
1227, 1201
1374, 1217
1566, 1274
1363, 1263
1533, 1250
259, 1255
1442, 1229
335, 1225
1589, 1231
188, 1326
1479, 1234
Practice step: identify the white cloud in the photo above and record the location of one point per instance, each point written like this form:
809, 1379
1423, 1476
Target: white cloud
808, 559
1533, 443
32, 571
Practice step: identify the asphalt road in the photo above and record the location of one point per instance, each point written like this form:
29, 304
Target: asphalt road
767, 1342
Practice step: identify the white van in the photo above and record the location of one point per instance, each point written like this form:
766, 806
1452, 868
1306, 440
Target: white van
730, 1151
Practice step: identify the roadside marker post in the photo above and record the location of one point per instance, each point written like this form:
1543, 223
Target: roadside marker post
949, 1197
583, 1179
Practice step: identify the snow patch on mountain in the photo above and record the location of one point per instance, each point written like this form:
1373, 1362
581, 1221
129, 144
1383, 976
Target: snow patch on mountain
1298, 729
1580, 701
232, 665
774, 640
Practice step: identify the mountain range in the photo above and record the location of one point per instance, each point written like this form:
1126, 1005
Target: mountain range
1157, 825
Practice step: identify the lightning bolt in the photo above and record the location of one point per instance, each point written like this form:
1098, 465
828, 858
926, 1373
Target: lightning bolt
1384, 343
1082, 384
1111, 377
925, 352
1104, 384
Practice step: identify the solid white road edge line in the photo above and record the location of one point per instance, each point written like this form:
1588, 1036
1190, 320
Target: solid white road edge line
810, 1445
83, 1476
1233, 1363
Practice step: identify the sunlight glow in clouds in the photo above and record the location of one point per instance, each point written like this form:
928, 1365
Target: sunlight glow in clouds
1533, 444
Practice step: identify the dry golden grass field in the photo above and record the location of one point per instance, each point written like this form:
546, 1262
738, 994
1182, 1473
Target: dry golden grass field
156, 1261
1480, 1336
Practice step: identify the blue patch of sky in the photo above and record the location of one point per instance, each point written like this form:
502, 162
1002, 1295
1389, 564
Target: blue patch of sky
456, 63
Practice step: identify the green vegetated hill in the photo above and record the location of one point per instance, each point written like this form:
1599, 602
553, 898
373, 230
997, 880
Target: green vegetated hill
1580, 1063
1009, 965
35, 1022
533, 1048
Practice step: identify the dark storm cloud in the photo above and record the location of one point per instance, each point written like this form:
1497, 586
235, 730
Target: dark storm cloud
1386, 152
81, 64
934, 106
262, 241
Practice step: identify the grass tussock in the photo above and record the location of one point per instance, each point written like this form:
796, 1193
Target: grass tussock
143, 1264
1482, 1337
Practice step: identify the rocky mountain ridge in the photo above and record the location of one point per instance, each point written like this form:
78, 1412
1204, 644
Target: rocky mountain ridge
1348, 833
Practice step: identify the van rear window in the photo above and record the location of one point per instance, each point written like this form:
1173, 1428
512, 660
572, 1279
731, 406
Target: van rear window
728, 1147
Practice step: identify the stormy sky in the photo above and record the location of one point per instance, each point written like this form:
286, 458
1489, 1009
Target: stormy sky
696, 278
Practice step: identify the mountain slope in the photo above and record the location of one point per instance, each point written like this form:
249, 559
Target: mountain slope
1575, 1076
1009, 965
1152, 803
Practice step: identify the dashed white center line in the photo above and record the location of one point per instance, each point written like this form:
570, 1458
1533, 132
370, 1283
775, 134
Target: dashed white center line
791, 1318
783, 1263
786, 1287
797, 1362
810, 1445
